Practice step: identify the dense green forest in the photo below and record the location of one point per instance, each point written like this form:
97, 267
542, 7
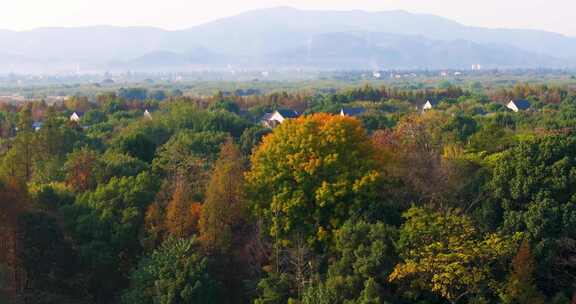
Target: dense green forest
160, 197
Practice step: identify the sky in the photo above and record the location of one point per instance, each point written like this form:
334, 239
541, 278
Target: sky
552, 15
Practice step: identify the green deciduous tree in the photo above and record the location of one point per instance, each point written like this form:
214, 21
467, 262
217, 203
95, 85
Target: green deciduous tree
251, 138
114, 164
445, 254
187, 158
51, 264
106, 223
175, 273
275, 289
142, 139
364, 258
533, 183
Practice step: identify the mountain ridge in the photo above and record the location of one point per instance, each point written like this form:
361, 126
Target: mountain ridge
278, 36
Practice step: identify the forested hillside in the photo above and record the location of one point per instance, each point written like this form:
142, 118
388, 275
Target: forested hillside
142, 197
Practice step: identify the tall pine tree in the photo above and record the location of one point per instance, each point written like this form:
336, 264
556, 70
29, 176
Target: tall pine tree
50, 136
19, 160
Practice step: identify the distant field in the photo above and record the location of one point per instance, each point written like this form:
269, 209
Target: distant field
21, 88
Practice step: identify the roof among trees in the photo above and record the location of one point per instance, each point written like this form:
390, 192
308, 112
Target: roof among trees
287, 113
522, 104
353, 111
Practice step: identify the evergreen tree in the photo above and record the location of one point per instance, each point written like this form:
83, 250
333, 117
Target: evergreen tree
175, 273
370, 293
50, 136
22, 151
25, 120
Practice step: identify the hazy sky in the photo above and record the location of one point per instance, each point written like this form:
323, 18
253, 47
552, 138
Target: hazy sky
553, 15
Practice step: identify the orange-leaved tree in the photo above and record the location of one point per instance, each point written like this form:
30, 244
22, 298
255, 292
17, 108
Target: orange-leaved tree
521, 287
181, 215
225, 207
81, 170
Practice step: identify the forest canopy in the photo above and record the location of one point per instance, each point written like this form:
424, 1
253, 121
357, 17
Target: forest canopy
354, 196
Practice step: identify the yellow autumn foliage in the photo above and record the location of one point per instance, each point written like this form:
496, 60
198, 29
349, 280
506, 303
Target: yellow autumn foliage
311, 174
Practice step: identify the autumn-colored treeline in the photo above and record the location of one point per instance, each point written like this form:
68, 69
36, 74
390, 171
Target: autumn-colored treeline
198, 202
543, 93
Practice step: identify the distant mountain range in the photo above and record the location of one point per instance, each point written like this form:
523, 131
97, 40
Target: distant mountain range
287, 37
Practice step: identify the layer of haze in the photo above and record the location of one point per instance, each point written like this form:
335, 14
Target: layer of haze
552, 15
